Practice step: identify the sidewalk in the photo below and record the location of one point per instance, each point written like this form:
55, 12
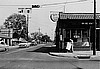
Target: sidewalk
81, 55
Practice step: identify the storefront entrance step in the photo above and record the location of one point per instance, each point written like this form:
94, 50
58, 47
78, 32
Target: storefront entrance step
83, 56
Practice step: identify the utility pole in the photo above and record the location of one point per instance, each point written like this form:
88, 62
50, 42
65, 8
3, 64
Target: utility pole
39, 30
26, 11
27, 24
94, 45
39, 35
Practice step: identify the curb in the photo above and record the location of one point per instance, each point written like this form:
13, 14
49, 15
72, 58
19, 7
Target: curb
89, 57
9, 48
65, 55
79, 57
83, 57
95, 58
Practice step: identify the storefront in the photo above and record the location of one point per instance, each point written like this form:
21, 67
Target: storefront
79, 27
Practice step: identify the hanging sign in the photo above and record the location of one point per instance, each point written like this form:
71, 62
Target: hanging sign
54, 16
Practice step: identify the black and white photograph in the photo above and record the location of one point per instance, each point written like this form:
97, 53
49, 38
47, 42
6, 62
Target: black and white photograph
49, 34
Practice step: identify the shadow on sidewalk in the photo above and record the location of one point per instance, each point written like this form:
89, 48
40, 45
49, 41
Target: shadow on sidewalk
45, 50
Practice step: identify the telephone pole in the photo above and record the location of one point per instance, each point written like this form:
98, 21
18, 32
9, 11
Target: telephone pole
39, 34
39, 30
94, 45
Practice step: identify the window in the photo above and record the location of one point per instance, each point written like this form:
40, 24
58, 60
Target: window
85, 33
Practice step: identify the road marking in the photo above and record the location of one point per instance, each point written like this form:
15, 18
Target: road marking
24, 49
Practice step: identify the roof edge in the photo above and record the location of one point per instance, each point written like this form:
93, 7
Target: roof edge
78, 13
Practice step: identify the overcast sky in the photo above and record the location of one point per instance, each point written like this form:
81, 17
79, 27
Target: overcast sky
40, 18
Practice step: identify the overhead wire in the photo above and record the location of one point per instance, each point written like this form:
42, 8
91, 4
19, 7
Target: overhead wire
14, 5
63, 3
48, 4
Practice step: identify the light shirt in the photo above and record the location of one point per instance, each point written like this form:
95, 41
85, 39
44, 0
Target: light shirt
69, 44
85, 44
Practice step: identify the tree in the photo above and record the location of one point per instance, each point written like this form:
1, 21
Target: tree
46, 38
41, 37
15, 21
18, 23
36, 35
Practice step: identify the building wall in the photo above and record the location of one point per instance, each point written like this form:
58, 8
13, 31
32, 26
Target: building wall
75, 23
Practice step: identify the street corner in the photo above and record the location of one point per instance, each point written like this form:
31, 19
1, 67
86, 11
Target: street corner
74, 56
63, 56
69, 55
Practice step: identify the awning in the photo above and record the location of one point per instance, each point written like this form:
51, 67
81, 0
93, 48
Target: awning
79, 16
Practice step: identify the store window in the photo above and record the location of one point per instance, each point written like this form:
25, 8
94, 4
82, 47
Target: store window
85, 33
78, 34
68, 33
75, 34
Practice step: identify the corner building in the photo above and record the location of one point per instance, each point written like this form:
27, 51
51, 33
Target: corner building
80, 28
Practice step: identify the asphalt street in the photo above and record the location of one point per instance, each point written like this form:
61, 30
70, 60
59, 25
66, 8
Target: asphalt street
37, 57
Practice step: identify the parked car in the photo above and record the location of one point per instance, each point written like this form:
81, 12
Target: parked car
4, 47
33, 43
24, 45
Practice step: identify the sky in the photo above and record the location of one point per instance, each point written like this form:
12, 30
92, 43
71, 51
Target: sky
40, 17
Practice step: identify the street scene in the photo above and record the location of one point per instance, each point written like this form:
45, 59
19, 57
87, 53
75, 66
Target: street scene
51, 34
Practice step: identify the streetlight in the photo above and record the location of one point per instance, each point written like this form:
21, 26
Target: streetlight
25, 11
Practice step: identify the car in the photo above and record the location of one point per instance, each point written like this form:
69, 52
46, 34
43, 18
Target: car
33, 43
2, 49
4, 46
24, 45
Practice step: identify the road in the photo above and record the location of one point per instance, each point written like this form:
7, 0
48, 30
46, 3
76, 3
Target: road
37, 57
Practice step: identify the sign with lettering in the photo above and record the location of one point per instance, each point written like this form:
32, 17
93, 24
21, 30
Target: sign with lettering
54, 16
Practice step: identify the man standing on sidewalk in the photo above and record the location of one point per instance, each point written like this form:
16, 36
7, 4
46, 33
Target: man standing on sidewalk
69, 46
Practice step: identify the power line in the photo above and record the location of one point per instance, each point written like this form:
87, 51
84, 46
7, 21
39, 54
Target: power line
63, 3
48, 4
15, 5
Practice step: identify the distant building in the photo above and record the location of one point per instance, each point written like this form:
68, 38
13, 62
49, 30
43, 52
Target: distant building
10, 36
6, 35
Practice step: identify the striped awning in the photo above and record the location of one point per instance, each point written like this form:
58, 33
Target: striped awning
79, 16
